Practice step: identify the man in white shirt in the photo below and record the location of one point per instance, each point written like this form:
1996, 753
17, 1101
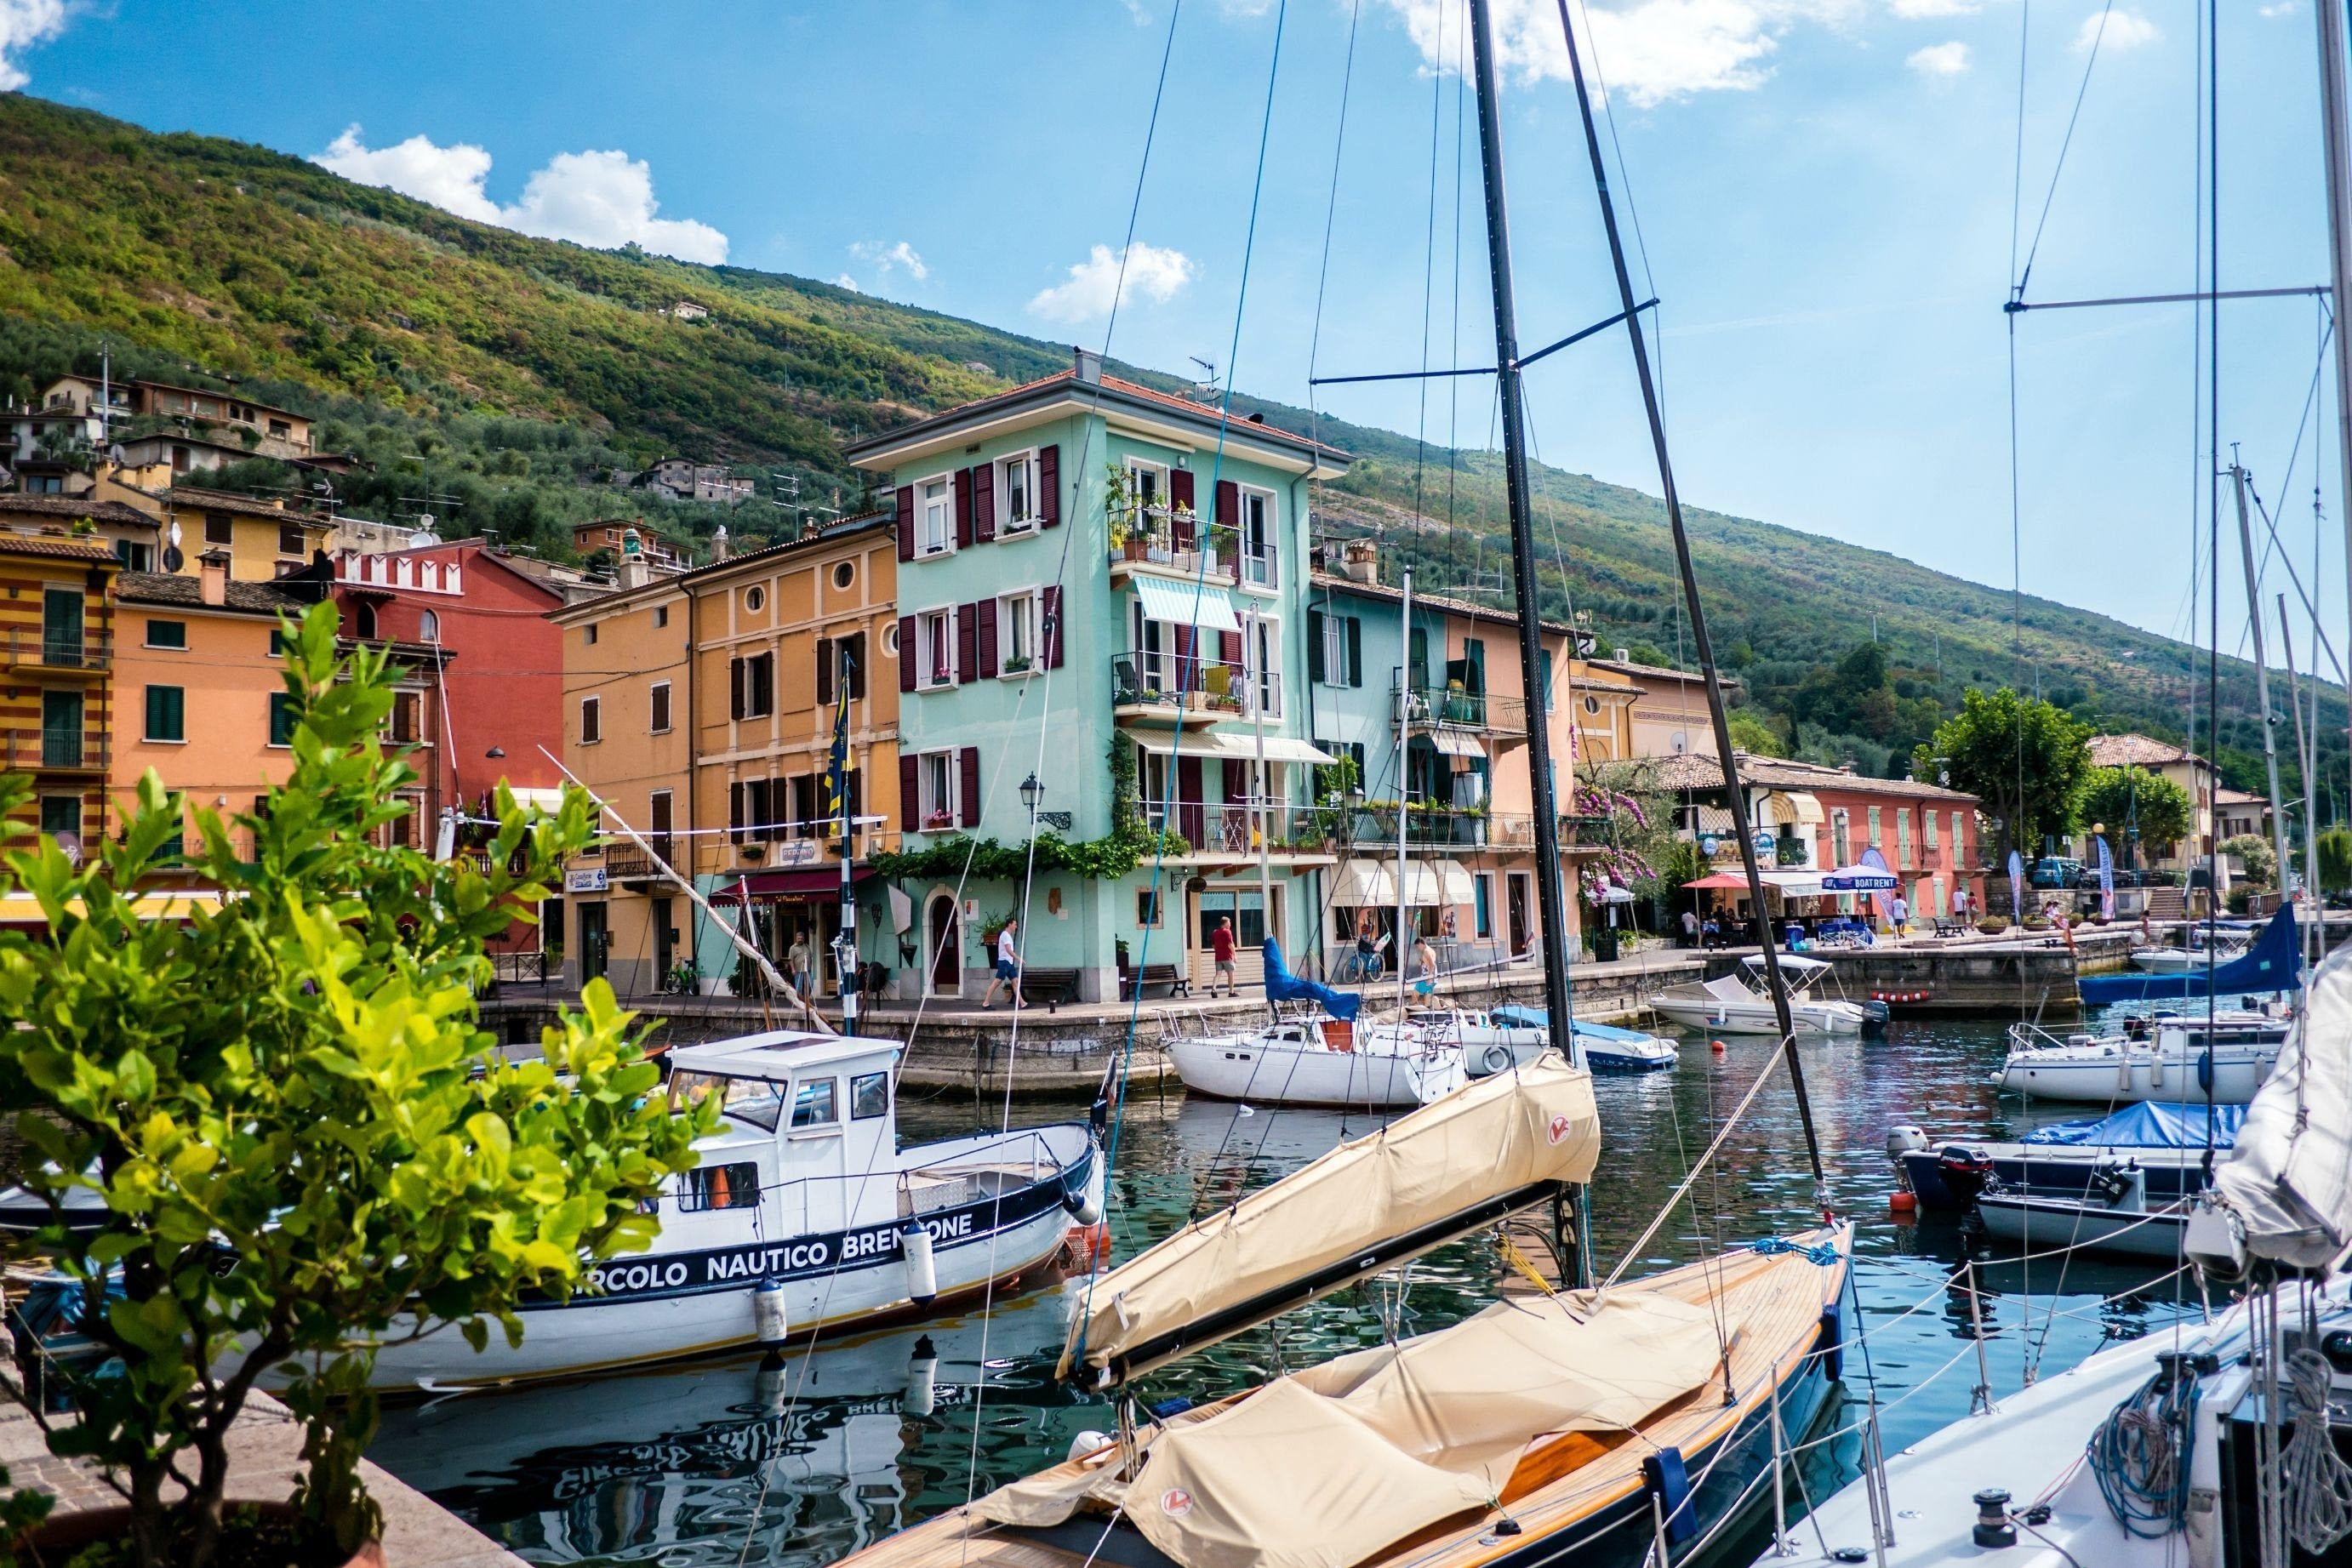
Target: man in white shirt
1898, 913
1008, 968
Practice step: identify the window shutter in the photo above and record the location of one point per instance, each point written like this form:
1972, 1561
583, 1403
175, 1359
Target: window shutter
1229, 648
1187, 678
963, 508
1052, 627
1236, 779
910, 805
967, 644
1229, 516
1355, 652
906, 653
906, 522
983, 502
1314, 646
735, 813
735, 688
825, 657
986, 664
1180, 501
1049, 487
967, 783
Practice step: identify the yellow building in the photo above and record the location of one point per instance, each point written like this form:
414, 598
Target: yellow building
57, 642
701, 708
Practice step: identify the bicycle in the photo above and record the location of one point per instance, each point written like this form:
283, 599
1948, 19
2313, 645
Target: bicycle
1361, 968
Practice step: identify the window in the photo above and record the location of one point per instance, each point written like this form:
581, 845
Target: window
61, 815
1262, 662
1592, 705
591, 720
935, 648
282, 719
751, 685
290, 539
1016, 487
1841, 836
1958, 843
167, 634
1147, 908
428, 625
830, 652
1256, 542
364, 620
844, 572
805, 810
1017, 620
134, 555
1147, 488
935, 777
661, 820
890, 641
61, 737
661, 616
813, 1106
661, 706
1331, 637
934, 516
707, 1188
749, 1100
280, 429
1873, 827
755, 599
1483, 921
870, 1096
1902, 837
404, 724
167, 713
588, 634
1928, 820
218, 529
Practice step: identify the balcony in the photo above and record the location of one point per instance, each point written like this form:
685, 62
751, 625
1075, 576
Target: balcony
1427, 825
54, 751
1450, 708
1222, 833
1188, 690
37, 650
1155, 546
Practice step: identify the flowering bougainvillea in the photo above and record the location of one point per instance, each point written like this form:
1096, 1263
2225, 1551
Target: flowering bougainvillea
1637, 834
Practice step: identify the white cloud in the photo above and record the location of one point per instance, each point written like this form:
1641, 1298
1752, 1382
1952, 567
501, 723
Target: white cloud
845, 281
23, 24
600, 199
2124, 30
887, 256
1093, 286
2272, 13
1653, 51
1925, 10
1939, 61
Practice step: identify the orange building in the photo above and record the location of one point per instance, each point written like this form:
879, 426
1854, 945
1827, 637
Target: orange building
57, 641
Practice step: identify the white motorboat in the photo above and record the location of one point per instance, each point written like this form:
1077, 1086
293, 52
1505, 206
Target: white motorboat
2166, 1057
2112, 1214
1601, 1046
1741, 1003
802, 1197
1320, 1061
2217, 945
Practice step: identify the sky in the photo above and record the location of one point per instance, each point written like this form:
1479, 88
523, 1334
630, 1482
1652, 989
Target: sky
1823, 193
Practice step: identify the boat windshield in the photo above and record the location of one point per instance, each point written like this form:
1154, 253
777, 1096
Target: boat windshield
756, 1102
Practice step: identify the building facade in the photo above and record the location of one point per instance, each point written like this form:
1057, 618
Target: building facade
1102, 594
1671, 718
2184, 768
58, 638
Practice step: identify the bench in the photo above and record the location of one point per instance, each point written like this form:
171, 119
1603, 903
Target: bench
1051, 987
1951, 927
1134, 985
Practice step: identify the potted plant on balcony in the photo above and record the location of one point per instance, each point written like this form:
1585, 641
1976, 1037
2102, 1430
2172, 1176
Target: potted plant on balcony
299, 1087
1019, 664
934, 820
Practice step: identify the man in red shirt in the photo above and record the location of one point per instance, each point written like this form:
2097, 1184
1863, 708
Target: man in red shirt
1221, 948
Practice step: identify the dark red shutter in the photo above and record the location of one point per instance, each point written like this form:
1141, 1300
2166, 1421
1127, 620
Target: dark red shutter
910, 805
825, 658
1054, 625
1190, 821
967, 765
1229, 516
906, 522
735, 688
966, 639
987, 639
1187, 678
906, 653
1237, 774
1180, 501
1229, 648
983, 502
1049, 487
963, 508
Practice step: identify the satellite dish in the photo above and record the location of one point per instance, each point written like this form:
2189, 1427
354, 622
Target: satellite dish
173, 560
116, 455
423, 537
1680, 740
173, 538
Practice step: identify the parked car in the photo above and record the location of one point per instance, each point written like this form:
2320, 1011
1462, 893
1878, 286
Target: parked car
2056, 872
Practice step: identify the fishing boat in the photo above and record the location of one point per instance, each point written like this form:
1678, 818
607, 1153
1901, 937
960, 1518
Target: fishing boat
1604, 1048
803, 1216
2111, 1213
2169, 1142
2184, 1059
1741, 1002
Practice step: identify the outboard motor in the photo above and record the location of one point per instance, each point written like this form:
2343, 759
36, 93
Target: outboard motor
1965, 1172
1904, 1140
1875, 1014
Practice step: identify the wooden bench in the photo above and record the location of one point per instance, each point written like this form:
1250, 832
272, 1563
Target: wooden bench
1951, 927
1051, 987
1133, 985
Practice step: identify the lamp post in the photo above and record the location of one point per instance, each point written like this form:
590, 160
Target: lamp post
1031, 793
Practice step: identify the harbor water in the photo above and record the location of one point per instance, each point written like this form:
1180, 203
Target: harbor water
728, 1462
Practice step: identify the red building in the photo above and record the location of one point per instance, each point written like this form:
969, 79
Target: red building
500, 669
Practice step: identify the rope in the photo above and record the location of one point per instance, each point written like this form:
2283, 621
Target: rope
1820, 1252
2138, 1456
2314, 1483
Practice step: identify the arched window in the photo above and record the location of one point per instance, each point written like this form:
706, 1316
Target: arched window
428, 625
364, 620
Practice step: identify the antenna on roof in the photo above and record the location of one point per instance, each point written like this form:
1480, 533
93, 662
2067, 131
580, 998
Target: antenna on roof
1207, 385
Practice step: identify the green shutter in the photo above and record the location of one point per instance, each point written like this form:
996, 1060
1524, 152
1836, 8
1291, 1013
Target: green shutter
166, 713
1355, 652
1314, 646
281, 719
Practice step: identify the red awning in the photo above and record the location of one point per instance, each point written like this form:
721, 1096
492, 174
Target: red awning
800, 881
1722, 879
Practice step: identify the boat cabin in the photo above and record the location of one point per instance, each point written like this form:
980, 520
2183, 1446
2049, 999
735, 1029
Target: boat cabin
1799, 974
808, 1136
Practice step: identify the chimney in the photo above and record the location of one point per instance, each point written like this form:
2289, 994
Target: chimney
635, 571
719, 543
1090, 366
211, 570
1359, 561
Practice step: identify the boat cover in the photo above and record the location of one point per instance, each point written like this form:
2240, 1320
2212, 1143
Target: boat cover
2151, 1124
1282, 986
2272, 964
1326, 1467
1535, 1018
2289, 1175
1529, 1125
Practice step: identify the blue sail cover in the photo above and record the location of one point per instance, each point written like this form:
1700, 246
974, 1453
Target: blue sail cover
1282, 986
2151, 1124
2272, 964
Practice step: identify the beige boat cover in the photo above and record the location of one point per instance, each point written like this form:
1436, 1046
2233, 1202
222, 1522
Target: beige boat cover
2289, 1175
1328, 1467
1491, 1137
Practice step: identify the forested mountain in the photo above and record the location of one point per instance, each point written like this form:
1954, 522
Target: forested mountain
512, 375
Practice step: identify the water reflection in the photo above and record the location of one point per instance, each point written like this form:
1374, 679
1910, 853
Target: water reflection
723, 1461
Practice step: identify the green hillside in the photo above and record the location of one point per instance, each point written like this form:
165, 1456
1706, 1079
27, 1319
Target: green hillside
511, 375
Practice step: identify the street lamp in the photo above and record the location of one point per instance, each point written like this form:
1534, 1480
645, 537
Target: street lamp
1031, 793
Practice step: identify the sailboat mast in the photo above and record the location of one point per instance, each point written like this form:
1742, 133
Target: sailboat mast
1405, 793
1700, 642
1551, 901
2261, 681
2335, 135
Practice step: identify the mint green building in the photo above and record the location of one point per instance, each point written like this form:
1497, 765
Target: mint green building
1101, 595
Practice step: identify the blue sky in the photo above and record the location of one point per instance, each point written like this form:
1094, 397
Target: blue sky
1823, 185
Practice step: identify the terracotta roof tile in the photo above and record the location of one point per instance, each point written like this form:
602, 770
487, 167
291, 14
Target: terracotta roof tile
2136, 750
15, 506
1696, 770
57, 545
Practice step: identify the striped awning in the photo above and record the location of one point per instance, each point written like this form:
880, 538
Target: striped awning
1187, 605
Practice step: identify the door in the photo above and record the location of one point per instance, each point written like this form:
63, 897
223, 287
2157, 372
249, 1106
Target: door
595, 938
61, 624
665, 943
944, 971
61, 729
1521, 894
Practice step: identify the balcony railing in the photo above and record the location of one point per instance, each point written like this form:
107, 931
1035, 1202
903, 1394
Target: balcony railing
55, 751
1450, 707
1237, 827
1195, 547
1448, 827
1192, 685
47, 647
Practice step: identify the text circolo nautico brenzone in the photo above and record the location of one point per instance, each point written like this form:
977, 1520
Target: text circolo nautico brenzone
769, 1260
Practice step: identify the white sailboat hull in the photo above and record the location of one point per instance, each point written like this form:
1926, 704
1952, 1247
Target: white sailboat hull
1240, 1066
1721, 1016
2111, 1073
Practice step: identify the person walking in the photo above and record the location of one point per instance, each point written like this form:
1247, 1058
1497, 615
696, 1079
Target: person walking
1008, 967
1898, 913
1221, 949
796, 963
1690, 927
1424, 958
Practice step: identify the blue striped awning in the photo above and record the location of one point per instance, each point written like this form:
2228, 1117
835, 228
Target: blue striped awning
1187, 605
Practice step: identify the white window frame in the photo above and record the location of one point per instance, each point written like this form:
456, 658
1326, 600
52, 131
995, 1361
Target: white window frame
946, 482
1262, 634
651, 703
1245, 494
1009, 525
924, 642
592, 705
1034, 599
1335, 649
1165, 508
938, 799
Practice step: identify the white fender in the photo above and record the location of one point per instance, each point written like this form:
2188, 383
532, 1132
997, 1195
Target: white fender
922, 1273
